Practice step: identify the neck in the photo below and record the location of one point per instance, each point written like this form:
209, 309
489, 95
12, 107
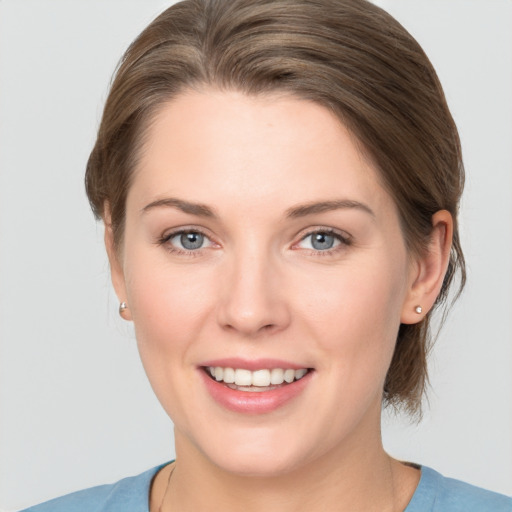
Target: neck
356, 479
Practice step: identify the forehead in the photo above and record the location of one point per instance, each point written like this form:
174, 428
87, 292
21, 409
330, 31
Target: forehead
230, 147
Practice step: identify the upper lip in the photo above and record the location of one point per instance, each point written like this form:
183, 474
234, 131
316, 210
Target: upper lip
252, 364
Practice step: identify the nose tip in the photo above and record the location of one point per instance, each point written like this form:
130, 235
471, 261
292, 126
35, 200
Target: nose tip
252, 302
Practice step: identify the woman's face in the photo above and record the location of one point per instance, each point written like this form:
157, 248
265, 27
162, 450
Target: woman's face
258, 237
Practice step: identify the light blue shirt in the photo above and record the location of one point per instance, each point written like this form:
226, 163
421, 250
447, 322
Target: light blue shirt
434, 493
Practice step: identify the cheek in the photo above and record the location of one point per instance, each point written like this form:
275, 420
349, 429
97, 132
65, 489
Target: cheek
169, 306
355, 312
170, 310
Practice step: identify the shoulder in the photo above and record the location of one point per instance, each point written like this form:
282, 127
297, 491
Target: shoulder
436, 493
132, 492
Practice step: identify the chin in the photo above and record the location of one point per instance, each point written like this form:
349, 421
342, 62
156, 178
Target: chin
258, 454
262, 465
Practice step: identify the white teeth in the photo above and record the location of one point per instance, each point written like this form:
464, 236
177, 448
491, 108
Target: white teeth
276, 376
289, 375
259, 378
229, 375
243, 377
300, 373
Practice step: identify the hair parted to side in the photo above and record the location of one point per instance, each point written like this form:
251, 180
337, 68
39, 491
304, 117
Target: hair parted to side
347, 55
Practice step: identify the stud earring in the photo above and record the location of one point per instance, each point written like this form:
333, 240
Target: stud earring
122, 308
418, 310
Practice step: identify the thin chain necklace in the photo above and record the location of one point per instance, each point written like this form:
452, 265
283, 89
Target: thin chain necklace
167, 488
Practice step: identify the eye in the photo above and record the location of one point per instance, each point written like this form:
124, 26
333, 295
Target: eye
322, 240
189, 241
186, 241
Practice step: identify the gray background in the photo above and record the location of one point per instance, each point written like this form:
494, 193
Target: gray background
75, 407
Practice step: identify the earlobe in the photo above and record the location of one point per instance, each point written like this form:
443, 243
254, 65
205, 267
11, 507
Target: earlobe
429, 270
116, 268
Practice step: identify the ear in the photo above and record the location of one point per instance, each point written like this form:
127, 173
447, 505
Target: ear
428, 269
116, 266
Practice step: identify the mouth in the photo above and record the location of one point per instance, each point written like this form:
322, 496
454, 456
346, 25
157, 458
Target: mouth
257, 386
262, 380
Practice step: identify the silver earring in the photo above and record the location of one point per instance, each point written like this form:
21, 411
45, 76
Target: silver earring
122, 308
418, 310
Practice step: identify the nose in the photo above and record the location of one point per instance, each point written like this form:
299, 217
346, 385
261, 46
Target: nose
253, 299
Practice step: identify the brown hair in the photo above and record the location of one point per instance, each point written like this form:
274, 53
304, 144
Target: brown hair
347, 55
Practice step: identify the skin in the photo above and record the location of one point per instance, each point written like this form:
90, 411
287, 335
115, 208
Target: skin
258, 288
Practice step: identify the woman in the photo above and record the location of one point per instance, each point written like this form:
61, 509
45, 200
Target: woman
279, 182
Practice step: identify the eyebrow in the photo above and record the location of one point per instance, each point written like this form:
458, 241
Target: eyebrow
325, 206
201, 210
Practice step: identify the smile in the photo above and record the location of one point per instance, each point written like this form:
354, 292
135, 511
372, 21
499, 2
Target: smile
259, 380
254, 387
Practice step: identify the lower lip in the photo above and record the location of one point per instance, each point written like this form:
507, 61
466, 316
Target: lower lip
254, 402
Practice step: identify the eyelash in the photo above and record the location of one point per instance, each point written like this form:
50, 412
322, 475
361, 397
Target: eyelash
344, 239
164, 241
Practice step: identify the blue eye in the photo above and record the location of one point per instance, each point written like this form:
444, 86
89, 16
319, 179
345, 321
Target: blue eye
191, 241
188, 240
322, 241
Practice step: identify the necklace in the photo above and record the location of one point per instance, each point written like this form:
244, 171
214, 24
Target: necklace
166, 488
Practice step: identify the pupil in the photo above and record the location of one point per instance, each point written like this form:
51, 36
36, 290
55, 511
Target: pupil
192, 241
322, 241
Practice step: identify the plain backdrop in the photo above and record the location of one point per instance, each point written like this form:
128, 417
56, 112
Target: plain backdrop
75, 407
